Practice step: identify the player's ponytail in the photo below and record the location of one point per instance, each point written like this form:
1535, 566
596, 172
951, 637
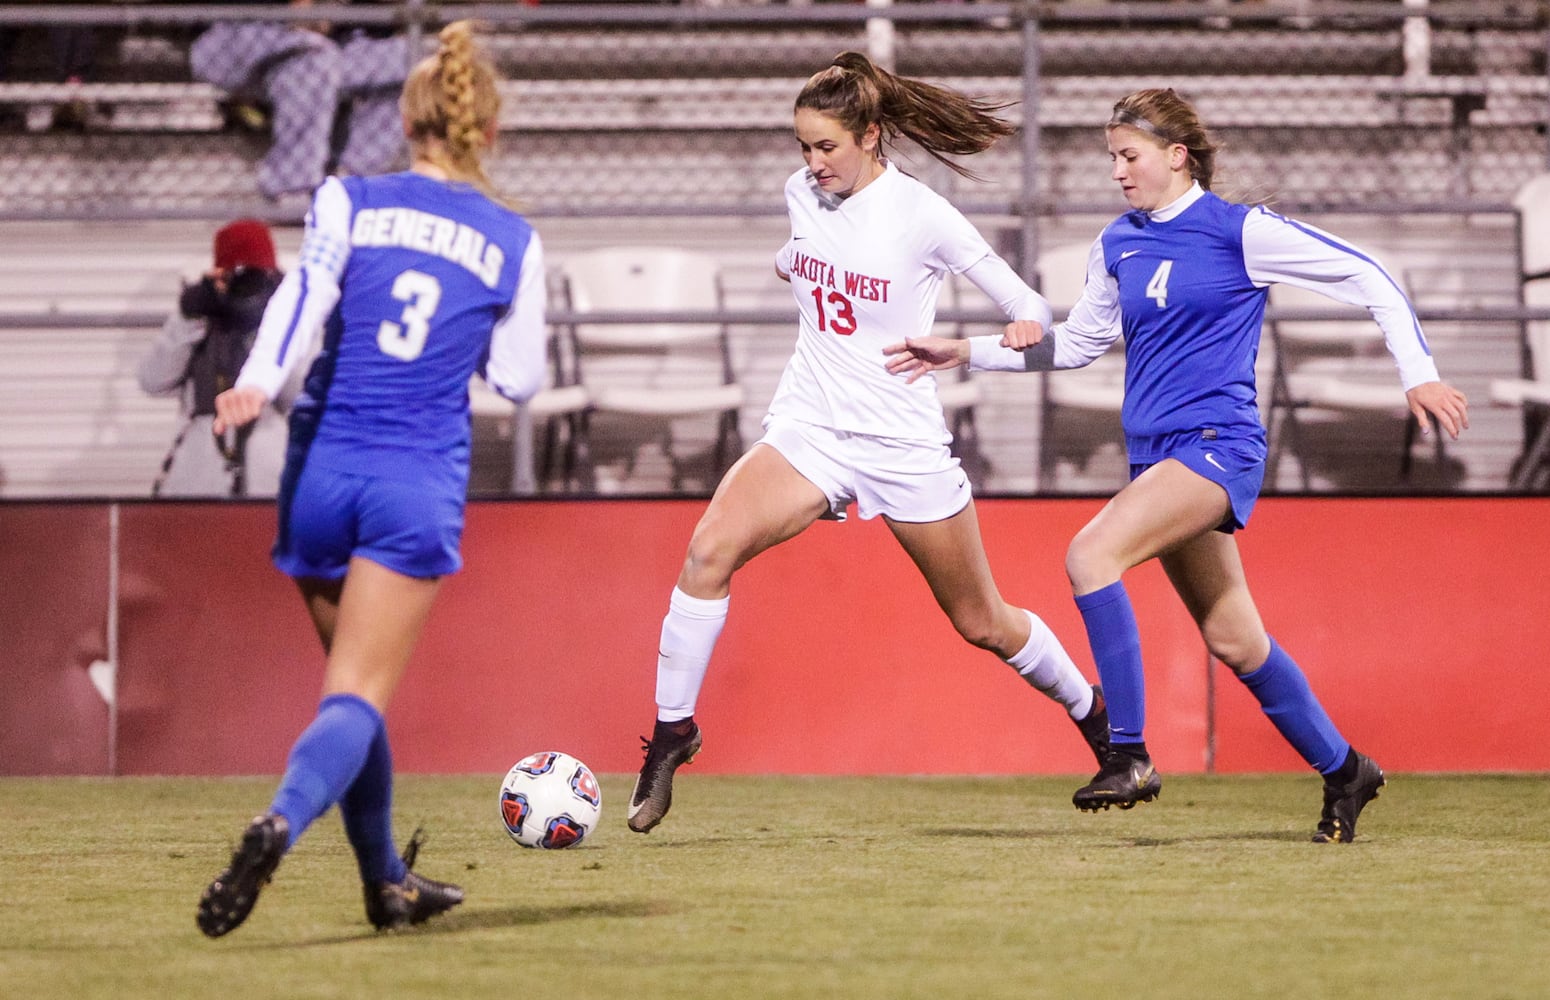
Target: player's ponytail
450, 104
1170, 119
856, 92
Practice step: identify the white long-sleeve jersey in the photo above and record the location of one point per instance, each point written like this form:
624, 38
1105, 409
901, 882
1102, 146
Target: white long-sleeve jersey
866, 272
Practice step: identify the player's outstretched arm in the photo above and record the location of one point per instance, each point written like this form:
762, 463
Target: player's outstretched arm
1442, 401
914, 356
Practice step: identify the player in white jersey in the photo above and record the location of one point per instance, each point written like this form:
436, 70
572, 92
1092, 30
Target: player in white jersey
417, 280
869, 248
1184, 277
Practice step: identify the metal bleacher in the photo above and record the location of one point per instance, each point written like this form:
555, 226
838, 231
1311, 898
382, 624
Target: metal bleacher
679, 129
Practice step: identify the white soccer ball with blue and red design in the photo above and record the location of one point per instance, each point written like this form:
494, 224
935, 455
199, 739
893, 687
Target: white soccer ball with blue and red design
550, 800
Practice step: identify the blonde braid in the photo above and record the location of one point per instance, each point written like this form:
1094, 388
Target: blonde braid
452, 97
465, 136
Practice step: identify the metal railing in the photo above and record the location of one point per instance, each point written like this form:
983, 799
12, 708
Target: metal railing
1433, 61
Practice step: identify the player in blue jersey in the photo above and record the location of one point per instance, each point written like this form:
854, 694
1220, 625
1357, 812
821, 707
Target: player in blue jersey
869, 249
416, 280
1184, 277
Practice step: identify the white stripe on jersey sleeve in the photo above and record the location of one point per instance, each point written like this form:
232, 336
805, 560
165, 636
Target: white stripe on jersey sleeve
1091, 326
306, 296
516, 365
1278, 249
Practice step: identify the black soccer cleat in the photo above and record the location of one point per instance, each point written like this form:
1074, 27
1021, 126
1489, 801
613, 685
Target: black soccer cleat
229, 899
1095, 728
666, 752
1122, 781
1343, 803
390, 905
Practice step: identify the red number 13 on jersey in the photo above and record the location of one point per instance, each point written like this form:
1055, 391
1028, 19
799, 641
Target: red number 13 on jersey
843, 321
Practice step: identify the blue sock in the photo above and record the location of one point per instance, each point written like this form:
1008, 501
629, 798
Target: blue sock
367, 810
1289, 702
325, 760
1116, 646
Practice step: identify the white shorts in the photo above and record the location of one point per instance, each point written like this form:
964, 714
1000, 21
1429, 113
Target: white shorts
912, 481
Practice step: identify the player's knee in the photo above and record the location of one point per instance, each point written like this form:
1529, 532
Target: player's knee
978, 627
1241, 651
711, 559
1089, 566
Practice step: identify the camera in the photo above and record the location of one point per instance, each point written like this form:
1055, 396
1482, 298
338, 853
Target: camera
239, 305
232, 309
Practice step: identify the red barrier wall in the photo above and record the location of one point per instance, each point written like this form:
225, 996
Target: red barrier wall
1414, 620
53, 625
1422, 624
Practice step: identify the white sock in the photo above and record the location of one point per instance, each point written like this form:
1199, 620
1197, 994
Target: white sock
1044, 664
689, 634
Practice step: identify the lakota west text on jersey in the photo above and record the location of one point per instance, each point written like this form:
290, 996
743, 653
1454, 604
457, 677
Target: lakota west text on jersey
821, 272
415, 230
865, 287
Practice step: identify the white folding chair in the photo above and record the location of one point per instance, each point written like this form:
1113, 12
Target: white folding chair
555, 417
557, 414
959, 393
1531, 393
1098, 388
1329, 369
656, 373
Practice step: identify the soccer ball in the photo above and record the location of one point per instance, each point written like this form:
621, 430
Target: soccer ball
550, 800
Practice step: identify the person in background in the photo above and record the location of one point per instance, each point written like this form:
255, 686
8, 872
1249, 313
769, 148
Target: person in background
869, 249
309, 72
420, 279
1184, 276
198, 355
72, 52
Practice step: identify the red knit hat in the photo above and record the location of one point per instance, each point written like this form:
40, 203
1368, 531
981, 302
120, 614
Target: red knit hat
244, 243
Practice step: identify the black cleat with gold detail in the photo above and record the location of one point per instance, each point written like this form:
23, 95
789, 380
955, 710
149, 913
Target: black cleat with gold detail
416, 899
229, 899
1124, 780
1343, 802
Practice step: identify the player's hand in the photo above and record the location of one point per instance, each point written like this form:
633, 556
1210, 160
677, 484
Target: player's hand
1442, 401
1022, 333
915, 356
237, 408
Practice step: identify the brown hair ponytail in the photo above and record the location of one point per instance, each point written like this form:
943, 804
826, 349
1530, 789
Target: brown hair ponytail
856, 92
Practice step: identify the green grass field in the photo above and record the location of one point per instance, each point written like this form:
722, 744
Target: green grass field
793, 887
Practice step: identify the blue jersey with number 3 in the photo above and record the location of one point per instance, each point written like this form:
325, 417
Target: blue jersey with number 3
431, 268
1191, 320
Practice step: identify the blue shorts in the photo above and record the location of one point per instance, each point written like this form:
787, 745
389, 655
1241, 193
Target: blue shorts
328, 516
1236, 464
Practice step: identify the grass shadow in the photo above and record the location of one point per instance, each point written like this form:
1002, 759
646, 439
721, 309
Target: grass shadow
1283, 836
712, 841
528, 916
495, 918
983, 833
